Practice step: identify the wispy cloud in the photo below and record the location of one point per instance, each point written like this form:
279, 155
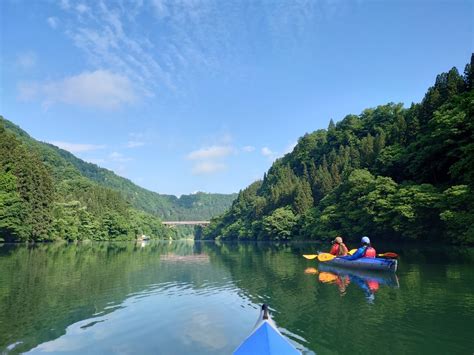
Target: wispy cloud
208, 167
267, 152
248, 148
106, 38
26, 60
82, 8
64, 4
53, 22
210, 152
77, 147
183, 37
270, 154
135, 144
211, 159
99, 89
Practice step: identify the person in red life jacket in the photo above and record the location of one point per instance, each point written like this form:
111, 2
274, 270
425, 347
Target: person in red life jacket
365, 251
338, 247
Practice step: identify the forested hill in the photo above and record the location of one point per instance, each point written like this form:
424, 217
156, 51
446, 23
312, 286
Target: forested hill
390, 173
64, 165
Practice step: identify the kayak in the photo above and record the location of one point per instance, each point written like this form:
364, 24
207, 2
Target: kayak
378, 264
265, 339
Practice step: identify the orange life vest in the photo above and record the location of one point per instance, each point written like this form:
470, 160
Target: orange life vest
334, 249
338, 250
370, 252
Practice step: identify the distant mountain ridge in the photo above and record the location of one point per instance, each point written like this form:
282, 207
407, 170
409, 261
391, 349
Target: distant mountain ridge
63, 164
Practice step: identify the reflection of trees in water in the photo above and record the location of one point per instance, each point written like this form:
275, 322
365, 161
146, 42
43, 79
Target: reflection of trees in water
193, 259
275, 274
46, 287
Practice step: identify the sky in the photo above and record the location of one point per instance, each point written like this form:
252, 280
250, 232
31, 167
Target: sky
186, 95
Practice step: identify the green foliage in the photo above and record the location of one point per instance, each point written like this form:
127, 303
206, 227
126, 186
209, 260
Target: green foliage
47, 193
26, 192
457, 213
64, 166
279, 225
12, 210
389, 172
33, 208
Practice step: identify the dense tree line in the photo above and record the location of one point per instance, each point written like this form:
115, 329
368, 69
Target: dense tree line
47, 193
62, 164
38, 205
390, 172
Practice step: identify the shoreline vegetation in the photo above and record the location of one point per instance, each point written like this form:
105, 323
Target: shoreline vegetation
48, 194
392, 173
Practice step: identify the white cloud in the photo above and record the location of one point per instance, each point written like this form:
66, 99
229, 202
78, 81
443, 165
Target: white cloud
267, 152
53, 22
26, 60
207, 167
184, 36
211, 152
82, 8
77, 147
64, 4
135, 144
248, 149
210, 159
99, 89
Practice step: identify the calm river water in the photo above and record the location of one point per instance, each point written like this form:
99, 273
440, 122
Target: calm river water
203, 298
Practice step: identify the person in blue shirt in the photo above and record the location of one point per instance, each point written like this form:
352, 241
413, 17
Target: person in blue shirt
365, 251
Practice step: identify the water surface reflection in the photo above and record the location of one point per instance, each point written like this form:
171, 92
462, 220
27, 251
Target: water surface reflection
203, 298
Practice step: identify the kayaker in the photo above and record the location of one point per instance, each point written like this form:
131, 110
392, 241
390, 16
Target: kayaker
365, 251
338, 247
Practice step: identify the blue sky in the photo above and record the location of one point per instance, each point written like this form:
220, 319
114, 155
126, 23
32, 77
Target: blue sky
186, 95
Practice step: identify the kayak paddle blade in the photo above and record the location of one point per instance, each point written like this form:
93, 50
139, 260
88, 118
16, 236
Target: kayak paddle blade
325, 257
388, 255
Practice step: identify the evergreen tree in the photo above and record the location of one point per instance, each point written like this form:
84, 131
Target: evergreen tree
416, 183
303, 197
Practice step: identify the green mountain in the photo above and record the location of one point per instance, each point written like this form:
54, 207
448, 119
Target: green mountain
391, 173
48, 193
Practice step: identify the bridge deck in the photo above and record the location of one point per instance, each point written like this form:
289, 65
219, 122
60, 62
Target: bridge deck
185, 223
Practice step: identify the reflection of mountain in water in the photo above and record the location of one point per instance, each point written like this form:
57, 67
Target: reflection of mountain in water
45, 288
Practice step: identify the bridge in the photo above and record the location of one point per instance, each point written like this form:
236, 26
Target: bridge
186, 223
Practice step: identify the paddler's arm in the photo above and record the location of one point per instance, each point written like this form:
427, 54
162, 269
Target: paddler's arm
357, 255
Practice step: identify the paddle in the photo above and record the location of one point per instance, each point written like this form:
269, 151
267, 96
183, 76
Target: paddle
320, 256
388, 255
327, 256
